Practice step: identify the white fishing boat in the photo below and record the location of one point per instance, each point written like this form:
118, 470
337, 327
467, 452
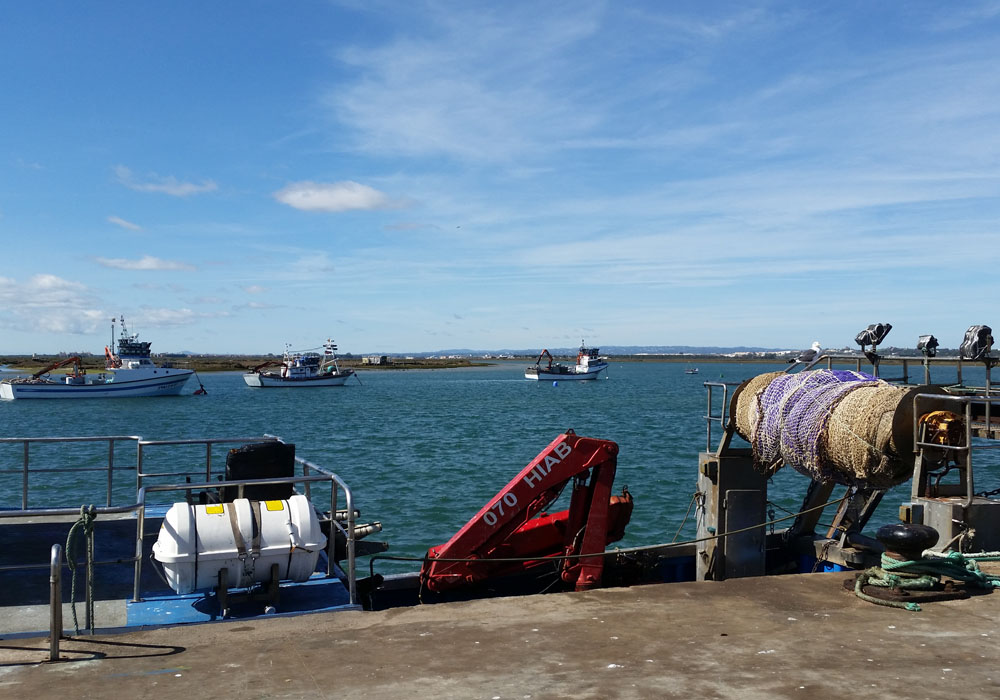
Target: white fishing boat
128, 374
589, 364
300, 369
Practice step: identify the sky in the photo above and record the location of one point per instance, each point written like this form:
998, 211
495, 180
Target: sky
416, 176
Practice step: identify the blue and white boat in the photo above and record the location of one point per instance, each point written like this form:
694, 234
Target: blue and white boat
301, 369
589, 364
129, 373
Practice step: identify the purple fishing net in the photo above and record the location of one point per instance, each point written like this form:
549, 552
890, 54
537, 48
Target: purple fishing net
793, 414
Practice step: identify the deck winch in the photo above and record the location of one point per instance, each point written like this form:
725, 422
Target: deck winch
245, 538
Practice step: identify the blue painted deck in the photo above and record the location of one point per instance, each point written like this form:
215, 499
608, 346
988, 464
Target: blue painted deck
319, 594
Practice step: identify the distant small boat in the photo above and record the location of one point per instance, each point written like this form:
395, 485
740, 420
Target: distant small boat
589, 364
129, 373
300, 369
691, 370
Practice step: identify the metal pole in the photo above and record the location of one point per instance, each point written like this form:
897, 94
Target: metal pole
55, 601
24, 479
140, 528
111, 469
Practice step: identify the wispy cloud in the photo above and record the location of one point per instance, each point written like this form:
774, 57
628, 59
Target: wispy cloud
255, 289
164, 317
117, 221
333, 197
146, 262
164, 185
49, 303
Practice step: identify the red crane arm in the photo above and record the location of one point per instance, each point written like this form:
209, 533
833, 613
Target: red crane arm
56, 365
507, 527
542, 354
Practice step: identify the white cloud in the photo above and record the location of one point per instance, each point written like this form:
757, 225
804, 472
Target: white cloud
333, 197
165, 185
146, 262
255, 289
50, 304
172, 317
117, 221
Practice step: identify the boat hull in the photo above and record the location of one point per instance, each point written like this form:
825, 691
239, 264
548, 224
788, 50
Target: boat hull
269, 382
162, 385
572, 375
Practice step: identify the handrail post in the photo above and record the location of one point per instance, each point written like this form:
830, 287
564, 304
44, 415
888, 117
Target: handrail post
55, 601
140, 528
24, 479
111, 470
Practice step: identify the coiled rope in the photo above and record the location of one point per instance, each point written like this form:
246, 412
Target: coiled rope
923, 575
84, 525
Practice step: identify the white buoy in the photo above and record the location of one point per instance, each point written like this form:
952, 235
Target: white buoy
555, 383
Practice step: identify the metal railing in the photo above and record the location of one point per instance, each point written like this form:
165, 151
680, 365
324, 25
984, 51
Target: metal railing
722, 418
321, 476
26, 469
208, 443
311, 474
861, 362
989, 406
55, 601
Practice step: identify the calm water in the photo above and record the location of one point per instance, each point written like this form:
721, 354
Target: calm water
424, 450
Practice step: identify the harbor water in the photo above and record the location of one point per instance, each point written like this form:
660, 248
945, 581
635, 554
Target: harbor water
423, 450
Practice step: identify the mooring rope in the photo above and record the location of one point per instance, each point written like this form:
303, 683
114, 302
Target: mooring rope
84, 524
923, 575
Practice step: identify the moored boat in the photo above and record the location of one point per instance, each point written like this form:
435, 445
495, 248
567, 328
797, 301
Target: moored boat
301, 369
589, 364
129, 373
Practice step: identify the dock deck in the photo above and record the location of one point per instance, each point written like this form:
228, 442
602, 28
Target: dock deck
796, 636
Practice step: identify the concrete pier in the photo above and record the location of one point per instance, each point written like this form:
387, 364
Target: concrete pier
800, 636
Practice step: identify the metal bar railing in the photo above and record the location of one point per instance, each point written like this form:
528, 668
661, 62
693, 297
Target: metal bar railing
312, 473
144, 445
711, 418
55, 601
966, 450
323, 476
26, 470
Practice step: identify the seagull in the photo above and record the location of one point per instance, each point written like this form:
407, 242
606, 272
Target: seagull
812, 353
809, 355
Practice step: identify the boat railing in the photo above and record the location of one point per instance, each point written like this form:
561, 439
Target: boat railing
341, 521
26, 469
981, 418
722, 417
862, 363
55, 601
312, 474
144, 447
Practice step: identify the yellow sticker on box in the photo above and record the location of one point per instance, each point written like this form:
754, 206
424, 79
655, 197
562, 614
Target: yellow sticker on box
275, 505
215, 509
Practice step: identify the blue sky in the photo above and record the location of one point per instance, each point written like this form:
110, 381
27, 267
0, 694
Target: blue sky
406, 176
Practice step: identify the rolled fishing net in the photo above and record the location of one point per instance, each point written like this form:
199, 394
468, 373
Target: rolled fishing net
831, 425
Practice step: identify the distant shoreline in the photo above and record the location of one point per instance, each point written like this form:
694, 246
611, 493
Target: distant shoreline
242, 363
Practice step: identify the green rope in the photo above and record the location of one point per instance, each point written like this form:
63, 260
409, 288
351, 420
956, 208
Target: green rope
84, 524
922, 575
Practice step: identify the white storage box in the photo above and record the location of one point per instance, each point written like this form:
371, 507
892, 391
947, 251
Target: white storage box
197, 541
